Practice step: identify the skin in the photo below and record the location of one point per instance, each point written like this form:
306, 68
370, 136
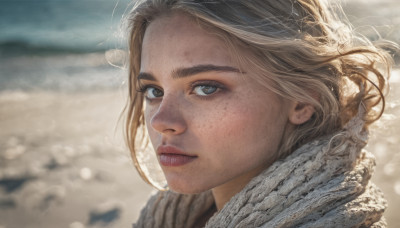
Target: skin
231, 124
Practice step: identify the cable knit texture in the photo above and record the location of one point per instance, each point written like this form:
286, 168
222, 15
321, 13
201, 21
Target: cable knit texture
325, 183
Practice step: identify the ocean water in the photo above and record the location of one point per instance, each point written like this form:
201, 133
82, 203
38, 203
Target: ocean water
64, 45
60, 25
60, 44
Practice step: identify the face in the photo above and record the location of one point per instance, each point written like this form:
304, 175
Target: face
209, 123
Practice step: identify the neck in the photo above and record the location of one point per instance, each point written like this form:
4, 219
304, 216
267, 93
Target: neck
223, 193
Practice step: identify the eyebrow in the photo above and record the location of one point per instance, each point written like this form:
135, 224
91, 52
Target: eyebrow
190, 71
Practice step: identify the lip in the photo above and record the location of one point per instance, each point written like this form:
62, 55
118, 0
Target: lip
172, 156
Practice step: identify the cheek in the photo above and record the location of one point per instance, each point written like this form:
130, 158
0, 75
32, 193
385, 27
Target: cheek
218, 128
241, 131
219, 122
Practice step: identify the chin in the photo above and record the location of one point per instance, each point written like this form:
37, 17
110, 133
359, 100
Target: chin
187, 188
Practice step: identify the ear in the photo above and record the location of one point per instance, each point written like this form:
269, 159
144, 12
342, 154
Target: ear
300, 113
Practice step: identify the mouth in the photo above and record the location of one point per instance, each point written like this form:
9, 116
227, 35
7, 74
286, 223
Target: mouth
172, 156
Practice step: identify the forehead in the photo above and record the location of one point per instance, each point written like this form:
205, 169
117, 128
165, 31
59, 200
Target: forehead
177, 40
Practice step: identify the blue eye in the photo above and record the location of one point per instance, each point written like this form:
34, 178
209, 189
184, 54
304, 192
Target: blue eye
152, 93
205, 90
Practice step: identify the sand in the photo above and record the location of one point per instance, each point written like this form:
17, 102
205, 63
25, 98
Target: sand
63, 163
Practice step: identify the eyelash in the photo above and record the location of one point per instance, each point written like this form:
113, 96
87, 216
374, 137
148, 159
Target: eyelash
219, 87
143, 89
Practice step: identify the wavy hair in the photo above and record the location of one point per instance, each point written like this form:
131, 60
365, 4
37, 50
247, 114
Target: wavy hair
300, 49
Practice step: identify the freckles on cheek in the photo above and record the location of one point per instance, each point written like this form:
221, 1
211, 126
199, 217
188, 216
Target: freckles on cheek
224, 129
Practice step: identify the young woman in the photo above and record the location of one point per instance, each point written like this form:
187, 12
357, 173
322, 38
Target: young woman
257, 111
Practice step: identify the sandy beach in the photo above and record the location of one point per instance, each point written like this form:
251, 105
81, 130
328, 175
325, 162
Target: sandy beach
63, 164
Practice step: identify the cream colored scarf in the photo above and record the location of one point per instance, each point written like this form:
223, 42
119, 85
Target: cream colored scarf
324, 183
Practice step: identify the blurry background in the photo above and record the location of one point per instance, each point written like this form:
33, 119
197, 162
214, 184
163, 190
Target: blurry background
63, 162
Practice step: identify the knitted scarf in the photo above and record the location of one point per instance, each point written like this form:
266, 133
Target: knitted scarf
324, 183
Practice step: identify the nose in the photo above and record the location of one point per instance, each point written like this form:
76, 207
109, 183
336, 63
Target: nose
168, 118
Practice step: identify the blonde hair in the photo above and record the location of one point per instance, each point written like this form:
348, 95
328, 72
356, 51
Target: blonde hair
300, 49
